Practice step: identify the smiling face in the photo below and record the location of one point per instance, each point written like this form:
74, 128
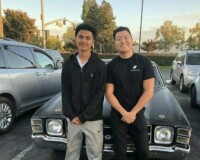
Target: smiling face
123, 42
84, 41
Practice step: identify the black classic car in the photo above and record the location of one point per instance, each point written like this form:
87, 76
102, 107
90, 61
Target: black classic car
168, 128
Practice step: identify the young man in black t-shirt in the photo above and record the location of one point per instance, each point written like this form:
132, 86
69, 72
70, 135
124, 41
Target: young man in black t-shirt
130, 86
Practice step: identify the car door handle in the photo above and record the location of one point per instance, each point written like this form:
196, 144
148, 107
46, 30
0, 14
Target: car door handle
37, 74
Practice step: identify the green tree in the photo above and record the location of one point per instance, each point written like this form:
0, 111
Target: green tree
70, 45
104, 22
53, 43
69, 34
150, 46
168, 35
92, 18
69, 39
87, 4
193, 41
106, 25
18, 25
37, 41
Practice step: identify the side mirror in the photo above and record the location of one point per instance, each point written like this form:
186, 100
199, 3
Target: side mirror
179, 63
58, 64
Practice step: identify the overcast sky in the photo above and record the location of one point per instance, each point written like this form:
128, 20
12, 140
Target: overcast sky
183, 13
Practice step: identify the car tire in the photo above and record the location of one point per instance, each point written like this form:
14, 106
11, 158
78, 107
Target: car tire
193, 96
171, 78
6, 115
182, 87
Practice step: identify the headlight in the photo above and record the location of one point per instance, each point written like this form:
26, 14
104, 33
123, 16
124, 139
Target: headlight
54, 127
193, 73
163, 135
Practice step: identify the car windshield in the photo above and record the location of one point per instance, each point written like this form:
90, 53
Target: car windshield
54, 53
193, 59
158, 78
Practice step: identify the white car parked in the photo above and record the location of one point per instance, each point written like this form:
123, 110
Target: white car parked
185, 68
195, 93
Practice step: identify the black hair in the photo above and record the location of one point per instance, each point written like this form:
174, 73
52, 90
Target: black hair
86, 26
119, 29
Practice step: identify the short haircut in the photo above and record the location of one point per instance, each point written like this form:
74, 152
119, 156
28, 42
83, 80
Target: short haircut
119, 29
88, 27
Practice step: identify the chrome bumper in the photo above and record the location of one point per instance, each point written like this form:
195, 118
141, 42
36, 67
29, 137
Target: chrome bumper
44, 141
156, 152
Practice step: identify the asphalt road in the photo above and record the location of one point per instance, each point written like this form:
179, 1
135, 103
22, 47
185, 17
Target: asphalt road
18, 145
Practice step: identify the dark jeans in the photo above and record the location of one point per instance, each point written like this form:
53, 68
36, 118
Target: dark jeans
138, 131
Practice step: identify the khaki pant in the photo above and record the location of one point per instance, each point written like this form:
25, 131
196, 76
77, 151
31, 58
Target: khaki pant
93, 131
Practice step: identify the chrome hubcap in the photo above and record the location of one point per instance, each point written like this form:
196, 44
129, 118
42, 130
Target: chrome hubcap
5, 115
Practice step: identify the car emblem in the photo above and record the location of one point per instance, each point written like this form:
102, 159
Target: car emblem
161, 116
107, 137
135, 66
57, 110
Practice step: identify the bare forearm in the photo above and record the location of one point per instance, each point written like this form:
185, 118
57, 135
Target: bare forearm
115, 103
144, 99
127, 117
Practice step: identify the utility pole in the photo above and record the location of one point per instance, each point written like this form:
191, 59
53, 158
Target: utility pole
141, 25
1, 22
43, 27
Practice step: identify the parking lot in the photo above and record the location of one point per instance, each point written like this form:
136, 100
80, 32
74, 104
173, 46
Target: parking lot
18, 145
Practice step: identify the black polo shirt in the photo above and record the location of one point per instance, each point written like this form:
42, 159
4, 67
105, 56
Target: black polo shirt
127, 76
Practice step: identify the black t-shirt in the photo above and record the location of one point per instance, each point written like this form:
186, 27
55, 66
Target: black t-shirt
127, 76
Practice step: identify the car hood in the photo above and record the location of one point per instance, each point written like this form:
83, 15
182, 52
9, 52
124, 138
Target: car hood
51, 108
161, 110
164, 108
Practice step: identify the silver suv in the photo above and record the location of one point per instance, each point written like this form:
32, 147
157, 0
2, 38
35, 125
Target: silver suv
185, 68
28, 78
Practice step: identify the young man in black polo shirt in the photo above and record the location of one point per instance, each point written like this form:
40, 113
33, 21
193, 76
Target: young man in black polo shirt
130, 86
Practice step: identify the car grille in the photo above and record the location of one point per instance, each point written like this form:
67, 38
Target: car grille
108, 139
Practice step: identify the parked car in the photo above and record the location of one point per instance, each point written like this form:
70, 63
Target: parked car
185, 68
55, 54
28, 78
195, 93
168, 128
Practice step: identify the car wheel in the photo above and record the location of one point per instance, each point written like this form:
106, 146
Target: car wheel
182, 87
6, 115
194, 98
171, 78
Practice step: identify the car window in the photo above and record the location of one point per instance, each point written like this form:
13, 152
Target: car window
193, 59
54, 53
19, 57
178, 56
182, 58
2, 64
43, 60
158, 79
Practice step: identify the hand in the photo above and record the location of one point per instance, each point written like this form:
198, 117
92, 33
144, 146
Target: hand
76, 121
128, 117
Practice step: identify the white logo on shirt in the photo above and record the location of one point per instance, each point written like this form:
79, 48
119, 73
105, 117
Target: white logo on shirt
135, 68
91, 75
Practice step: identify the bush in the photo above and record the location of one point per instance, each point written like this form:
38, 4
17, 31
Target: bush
161, 60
